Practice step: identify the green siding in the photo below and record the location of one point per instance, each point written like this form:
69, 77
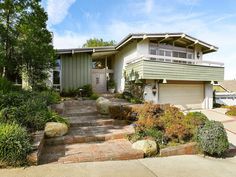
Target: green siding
76, 70
175, 71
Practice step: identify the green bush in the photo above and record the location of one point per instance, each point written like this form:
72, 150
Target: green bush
14, 145
212, 138
50, 96
94, 96
193, 120
87, 90
6, 86
54, 117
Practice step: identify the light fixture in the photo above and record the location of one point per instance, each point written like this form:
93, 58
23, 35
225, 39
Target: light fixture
212, 82
164, 81
154, 90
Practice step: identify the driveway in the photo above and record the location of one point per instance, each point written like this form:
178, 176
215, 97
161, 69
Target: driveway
175, 166
228, 122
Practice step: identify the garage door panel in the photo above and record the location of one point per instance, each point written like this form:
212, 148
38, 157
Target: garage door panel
184, 96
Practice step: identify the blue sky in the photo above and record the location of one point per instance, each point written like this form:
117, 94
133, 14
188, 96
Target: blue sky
213, 21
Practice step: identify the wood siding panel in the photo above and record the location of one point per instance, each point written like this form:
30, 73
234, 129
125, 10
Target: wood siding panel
175, 71
76, 70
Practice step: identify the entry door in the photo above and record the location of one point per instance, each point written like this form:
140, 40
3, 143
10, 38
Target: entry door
99, 82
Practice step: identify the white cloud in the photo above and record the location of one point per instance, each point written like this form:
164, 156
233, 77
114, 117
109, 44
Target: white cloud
149, 6
57, 10
69, 39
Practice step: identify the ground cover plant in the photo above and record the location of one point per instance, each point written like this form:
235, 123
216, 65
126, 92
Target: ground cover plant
231, 111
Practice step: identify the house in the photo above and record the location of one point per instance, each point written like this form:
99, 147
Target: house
225, 92
170, 66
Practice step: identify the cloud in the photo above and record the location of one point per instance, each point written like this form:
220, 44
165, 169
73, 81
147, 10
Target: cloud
69, 39
149, 6
57, 10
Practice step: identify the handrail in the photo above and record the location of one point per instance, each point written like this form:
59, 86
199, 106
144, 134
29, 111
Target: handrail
173, 60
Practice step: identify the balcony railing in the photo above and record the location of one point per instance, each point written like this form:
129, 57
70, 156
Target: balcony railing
173, 60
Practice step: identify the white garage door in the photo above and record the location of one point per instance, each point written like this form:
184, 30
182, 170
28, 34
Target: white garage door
184, 96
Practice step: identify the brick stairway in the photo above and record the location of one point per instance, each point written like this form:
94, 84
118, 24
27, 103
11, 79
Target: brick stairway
91, 137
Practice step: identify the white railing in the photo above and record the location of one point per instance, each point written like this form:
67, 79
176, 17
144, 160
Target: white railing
173, 60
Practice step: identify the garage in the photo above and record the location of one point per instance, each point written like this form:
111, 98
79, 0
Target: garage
184, 96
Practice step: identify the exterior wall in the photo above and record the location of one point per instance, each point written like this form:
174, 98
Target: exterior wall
76, 70
148, 94
124, 54
208, 100
143, 47
175, 71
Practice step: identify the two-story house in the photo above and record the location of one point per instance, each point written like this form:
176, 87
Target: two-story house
170, 65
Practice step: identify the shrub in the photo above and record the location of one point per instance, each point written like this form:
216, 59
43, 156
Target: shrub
50, 96
172, 123
122, 112
6, 86
193, 120
135, 100
87, 90
14, 144
231, 111
212, 138
94, 96
54, 117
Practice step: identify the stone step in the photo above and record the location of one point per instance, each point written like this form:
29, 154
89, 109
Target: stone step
92, 134
88, 152
80, 113
93, 120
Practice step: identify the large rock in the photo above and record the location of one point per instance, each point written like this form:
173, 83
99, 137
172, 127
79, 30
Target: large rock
54, 129
102, 105
149, 147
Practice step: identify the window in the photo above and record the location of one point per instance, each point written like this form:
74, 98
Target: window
153, 52
190, 56
175, 54
162, 52
182, 55
168, 53
56, 77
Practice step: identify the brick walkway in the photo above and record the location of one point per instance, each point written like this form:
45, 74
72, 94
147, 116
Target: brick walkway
91, 137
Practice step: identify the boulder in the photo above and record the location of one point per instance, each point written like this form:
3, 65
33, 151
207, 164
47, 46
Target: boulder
149, 147
102, 105
55, 129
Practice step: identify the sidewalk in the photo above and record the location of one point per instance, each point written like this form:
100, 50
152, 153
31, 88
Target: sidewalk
175, 166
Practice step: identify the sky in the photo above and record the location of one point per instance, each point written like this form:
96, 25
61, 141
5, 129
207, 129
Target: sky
213, 21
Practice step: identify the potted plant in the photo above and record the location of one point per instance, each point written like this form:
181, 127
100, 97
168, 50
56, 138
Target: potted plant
111, 86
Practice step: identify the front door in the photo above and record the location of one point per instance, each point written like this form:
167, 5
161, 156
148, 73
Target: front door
99, 82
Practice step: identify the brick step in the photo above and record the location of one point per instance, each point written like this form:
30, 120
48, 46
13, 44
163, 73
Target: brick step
92, 134
89, 152
93, 121
80, 113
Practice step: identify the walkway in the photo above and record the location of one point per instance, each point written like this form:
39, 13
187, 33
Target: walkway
91, 137
228, 122
175, 166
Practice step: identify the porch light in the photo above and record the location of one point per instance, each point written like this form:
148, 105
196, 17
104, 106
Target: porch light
154, 90
164, 81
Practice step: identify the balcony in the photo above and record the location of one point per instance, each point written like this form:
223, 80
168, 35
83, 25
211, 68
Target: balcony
171, 68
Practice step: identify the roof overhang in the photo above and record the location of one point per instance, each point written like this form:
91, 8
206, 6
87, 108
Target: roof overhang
173, 37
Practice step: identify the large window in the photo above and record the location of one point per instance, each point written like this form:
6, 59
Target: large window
170, 51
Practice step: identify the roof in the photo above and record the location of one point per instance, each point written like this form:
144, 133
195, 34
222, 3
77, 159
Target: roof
229, 85
167, 37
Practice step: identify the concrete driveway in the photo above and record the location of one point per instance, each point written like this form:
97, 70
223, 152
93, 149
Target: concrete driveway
175, 166
228, 122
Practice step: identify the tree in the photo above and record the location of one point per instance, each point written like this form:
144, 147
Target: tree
35, 44
95, 42
26, 44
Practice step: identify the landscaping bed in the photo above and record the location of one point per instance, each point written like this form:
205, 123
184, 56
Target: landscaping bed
22, 114
169, 128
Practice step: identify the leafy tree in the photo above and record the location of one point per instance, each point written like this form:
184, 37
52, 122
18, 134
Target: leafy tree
26, 44
95, 42
35, 44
